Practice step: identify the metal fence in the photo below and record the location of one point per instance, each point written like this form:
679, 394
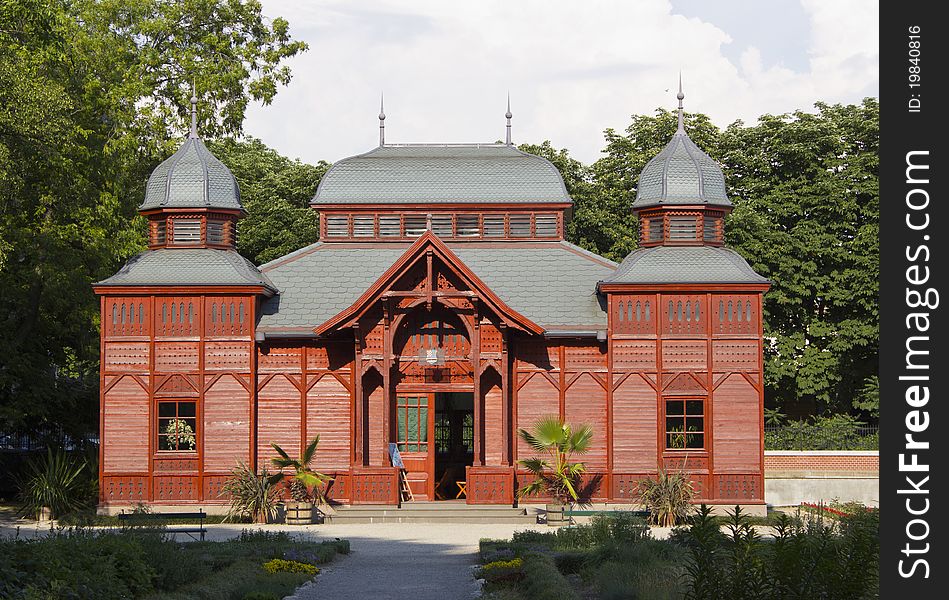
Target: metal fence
29, 441
813, 436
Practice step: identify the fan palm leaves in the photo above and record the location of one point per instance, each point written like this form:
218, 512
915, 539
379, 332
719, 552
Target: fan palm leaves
555, 473
305, 483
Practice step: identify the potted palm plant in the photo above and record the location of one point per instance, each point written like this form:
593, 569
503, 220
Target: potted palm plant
306, 485
555, 473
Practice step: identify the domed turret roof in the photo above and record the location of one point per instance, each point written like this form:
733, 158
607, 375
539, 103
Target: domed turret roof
192, 178
681, 174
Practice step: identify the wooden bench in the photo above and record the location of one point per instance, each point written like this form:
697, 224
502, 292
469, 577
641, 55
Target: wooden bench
169, 516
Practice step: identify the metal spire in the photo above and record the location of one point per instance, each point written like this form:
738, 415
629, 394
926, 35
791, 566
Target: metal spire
382, 120
508, 116
194, 112
680, 96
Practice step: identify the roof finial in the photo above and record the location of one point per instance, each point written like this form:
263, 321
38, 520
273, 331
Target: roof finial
382, 120
194, 112
508, 116
680, 96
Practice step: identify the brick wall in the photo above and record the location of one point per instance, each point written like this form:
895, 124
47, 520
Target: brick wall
780, 463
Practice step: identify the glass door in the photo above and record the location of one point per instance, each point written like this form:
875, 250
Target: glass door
415, 422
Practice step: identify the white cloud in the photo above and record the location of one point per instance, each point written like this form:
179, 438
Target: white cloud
572, 68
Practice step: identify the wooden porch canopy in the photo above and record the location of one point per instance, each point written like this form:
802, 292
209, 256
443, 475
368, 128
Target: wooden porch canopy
426, 248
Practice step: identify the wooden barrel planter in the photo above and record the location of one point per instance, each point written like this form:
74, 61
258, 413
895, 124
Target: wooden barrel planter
555, 514
299, 513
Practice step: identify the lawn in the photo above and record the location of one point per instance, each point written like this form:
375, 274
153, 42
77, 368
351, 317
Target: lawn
85, 564
615, 557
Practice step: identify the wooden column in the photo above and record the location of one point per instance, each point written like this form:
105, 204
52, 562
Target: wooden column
358, 408
387, 357
478, 458
507, 400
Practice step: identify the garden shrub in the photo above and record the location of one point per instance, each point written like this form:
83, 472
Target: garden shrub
571, 562
502, 571
618, 580
279, 565
542, 580
811, 558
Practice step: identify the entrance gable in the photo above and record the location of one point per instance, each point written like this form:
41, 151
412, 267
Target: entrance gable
414, 280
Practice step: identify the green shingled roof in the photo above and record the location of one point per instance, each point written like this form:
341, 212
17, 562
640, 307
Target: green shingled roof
553, 283
470, 173
681, 174
192, 178
684, 264
188, 266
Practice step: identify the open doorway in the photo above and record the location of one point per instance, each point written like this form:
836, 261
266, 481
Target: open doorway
454, 442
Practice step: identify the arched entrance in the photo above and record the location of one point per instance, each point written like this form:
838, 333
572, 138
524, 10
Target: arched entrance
432, 399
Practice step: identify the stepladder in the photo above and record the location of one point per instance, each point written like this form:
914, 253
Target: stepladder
405, 491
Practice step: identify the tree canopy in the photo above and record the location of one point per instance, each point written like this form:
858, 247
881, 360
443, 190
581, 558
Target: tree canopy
92, 95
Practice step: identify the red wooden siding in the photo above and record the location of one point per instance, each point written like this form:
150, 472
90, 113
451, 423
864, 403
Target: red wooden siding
227, 316
684, 314
327, 414
634, 426
226, 425
378, 438
227, 356
634, 355
278, 419
538, 398
278, 359
177, 316
585, 403
125, 356
173, 357
735, 430
125, 434
738, 355
633, 314
126, 316
493, 419
684, 354
735, 314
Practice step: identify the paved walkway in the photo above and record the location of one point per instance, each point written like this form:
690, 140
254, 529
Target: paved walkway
421, 562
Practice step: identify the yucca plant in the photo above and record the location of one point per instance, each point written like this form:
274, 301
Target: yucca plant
668, 497
251, 494
555, 473
58, 483
306, 485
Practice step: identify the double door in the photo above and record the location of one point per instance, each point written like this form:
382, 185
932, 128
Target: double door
435, 436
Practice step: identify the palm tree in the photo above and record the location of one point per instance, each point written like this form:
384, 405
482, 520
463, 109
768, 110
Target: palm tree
555, 473
306, 484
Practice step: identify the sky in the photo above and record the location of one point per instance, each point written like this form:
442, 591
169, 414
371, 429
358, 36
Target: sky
572, 68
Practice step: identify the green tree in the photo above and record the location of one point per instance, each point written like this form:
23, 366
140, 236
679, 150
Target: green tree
807, 209
276, 192
92, 95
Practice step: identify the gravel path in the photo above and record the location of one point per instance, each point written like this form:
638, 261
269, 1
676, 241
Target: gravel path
421, 562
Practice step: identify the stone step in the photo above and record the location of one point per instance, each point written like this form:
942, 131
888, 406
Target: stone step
340, 518
430, 512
